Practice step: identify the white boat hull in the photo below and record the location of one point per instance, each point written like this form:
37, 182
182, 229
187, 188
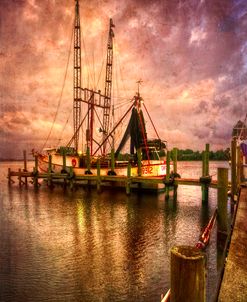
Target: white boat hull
148, 169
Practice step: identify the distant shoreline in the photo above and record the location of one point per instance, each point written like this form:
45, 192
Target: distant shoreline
12, 160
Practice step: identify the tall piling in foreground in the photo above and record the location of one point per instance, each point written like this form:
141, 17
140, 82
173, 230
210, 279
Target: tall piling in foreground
187, 274
233, 168
222, 199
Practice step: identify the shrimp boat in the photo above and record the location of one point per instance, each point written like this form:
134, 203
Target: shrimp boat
143, 155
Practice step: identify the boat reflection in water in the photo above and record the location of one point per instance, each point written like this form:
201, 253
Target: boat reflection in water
82, 246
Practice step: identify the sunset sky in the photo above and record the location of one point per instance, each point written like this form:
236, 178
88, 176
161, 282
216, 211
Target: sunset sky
191, 56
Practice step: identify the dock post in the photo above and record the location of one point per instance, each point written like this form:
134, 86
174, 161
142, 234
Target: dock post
205, 174
25, 164
98, 176
175, 158
64, 162
50, 163
25, 160
222, 176
9, 176
88, 162
175, 171
167, 187
113, 161
207, 160
128, 179
233, 168
188, 274
49, 179
35, 172
139, 161
71, 178
19, 177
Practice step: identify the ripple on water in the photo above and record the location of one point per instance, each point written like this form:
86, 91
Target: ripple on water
84, 246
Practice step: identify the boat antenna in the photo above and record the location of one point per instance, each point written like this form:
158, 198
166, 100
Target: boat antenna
108, 85
138, 86
77, 75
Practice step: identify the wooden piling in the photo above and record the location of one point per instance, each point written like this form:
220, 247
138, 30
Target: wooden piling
175, 171
25, 160
35, 172
203, 163
167, 187
64, 161
36, 163
50, 163
128, 178
175, 158
187, 274
222, 199
112, 161
9, 177
19, 177
139, 161
25, 164
98, 176
49, 178
71, 178
207, 160
233, 168
205, 174
88, 160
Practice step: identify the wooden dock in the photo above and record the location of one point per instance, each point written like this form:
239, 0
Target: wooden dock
234, 283
158, 183
24, 177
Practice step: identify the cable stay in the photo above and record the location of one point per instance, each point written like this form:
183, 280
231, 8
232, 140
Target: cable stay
61, 93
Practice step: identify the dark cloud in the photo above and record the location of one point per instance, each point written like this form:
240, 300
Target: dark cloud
202, 107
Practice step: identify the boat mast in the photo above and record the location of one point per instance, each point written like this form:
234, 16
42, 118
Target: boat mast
108, 85
77, 76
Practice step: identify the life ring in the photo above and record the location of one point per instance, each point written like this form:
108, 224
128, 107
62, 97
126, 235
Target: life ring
73, 161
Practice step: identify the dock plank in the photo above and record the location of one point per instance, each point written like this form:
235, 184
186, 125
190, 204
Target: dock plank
234, 284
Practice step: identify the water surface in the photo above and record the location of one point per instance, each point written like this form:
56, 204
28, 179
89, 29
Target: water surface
83, 246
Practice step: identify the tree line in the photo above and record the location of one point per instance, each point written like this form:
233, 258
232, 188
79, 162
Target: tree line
189, 154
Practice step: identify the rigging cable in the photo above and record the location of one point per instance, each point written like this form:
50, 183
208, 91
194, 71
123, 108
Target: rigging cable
60, 137
61, 94
151, 120
88, 67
